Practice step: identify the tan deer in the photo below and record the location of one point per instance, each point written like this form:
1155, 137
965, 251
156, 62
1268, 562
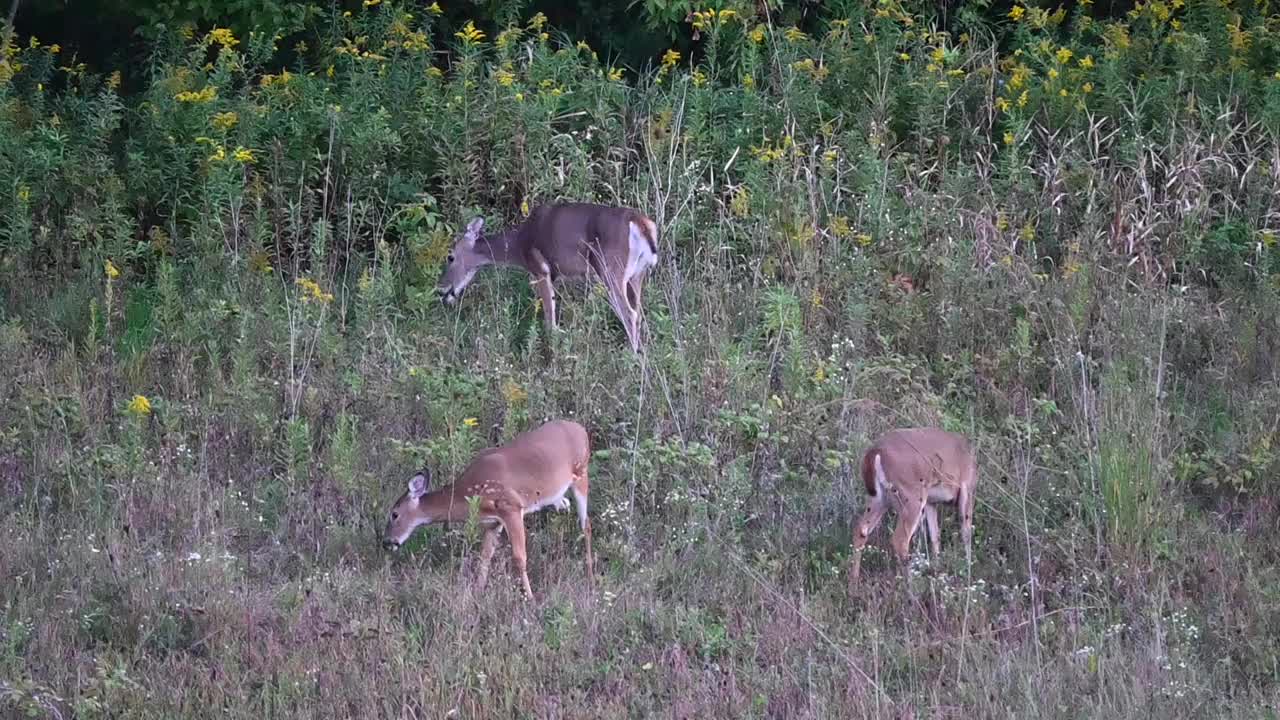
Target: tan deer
914, 470
533, 471
619, 245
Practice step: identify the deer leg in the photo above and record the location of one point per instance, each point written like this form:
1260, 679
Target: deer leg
514, 523
542, 285
869, 521
580, 488
634, 284
965, 502
487, 547
908, 523
935, 531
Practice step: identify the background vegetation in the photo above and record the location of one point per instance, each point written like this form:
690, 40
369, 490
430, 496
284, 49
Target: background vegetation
221, 356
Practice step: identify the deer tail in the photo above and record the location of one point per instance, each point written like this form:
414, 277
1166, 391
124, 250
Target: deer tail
651, 234
871, 468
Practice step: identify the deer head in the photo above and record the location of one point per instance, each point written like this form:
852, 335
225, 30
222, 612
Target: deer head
461, 263
408, 513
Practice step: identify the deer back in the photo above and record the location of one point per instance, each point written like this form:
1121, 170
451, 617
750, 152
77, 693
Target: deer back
928, 454
532, 463
564, 234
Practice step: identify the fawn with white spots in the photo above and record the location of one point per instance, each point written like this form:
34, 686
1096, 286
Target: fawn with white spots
533, 471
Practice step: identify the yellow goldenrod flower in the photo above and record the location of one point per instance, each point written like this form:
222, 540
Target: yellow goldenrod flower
670, 58
1063, 56
757, 34
537, 21
470, 422
840, 226
470, 34
434, 9
223, 37
208, 94
504, 77
311, 290
113, 80
225, 120
615, 74
371, 3
514, 393
139, 406
864, 239
820, 373
243, 155
740, 205
1086, 62
794, 34
24, 193
111, 270
1017, 12
506, 36
219, 154
1008, 138
699, 78
1086, 88
1002, 104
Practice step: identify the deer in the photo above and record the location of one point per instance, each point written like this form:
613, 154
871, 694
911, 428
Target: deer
913, 470
618, 245
535, 470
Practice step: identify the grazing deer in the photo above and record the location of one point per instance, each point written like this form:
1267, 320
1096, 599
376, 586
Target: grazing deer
531, 472
618, 244
913, 470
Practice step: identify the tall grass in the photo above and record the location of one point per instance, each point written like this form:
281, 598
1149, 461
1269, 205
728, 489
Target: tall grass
222, 357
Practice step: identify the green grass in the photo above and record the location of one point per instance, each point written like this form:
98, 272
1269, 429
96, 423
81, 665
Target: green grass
841, 253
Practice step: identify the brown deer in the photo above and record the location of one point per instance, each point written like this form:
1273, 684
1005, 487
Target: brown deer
531, 472
913, 470
619, 245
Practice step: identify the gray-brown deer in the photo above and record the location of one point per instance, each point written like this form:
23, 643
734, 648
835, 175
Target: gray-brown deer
533, 471
913, 470
619, 245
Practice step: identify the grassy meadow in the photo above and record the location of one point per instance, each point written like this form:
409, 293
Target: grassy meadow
222, 357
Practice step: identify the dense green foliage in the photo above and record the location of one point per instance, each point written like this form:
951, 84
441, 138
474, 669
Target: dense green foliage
222, 355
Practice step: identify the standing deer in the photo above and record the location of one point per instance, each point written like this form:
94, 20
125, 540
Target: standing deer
618, 244
914, 470
531, 472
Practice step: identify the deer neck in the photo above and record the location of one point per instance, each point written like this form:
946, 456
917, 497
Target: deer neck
445, 505
504, 248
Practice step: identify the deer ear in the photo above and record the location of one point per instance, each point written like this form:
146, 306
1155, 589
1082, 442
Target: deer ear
419, 483
473, 230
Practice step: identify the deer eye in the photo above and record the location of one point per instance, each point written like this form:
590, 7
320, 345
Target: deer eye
449, 259
394, 515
